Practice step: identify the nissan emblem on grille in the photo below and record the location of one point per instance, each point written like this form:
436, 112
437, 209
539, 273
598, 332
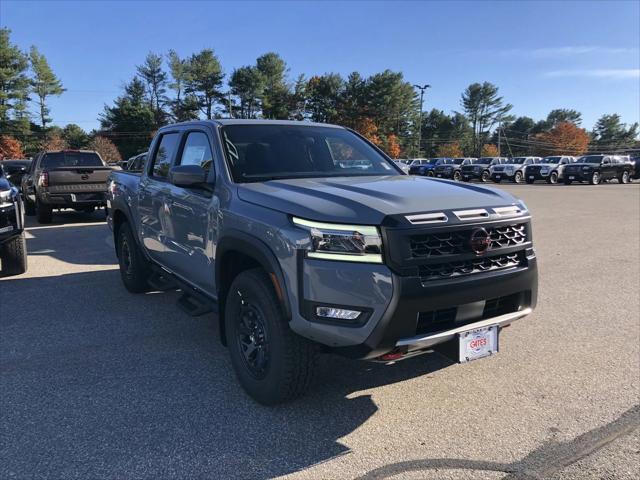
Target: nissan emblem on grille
479, 241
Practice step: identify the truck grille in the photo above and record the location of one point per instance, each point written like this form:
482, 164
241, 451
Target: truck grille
533, 169
456, 243
441, 271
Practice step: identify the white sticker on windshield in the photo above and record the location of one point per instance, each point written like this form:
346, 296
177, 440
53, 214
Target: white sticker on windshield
388, 167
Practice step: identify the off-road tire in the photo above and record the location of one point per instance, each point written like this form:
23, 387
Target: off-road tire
134, 267
485, 177
430, 174
44, 213
457, 176
291, 358
552, 178
14, 256
595, 178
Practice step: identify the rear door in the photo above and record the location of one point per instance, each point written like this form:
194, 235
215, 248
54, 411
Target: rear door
194, 215
153, 210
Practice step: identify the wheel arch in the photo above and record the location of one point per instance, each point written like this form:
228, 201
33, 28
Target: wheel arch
237, 252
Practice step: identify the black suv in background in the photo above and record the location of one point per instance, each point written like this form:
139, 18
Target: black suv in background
13, 248
479, 170
453, 170
598, 168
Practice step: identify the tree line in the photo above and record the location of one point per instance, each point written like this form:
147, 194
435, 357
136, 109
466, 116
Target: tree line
383, 106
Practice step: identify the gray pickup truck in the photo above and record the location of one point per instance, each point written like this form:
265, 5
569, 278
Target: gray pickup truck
306, 238
74, 179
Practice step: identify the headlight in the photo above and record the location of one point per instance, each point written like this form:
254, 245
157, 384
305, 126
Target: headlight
586, 168
544, 169
508, 169
6, 196
351, 243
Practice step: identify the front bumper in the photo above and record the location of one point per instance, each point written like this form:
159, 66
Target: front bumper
499, 176
444, 173
406, 313
471, 175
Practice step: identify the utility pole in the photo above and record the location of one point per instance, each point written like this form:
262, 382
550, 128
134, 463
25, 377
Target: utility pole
422, 88
499, 138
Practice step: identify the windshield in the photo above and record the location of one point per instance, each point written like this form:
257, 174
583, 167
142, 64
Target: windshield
71, 159
590, 159
257, 153
459, 161
485, 161
518, 160
551, 160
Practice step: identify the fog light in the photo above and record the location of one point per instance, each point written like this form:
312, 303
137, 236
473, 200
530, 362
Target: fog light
339, 313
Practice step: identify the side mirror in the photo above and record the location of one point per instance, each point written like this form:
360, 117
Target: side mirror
193, 176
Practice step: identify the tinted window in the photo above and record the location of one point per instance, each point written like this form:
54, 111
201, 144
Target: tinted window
197, 151
164, 155
258, 153
70, 159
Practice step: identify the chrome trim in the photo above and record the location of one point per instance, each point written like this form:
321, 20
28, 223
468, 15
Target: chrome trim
423, 218
510, 211
471, 214
425, 341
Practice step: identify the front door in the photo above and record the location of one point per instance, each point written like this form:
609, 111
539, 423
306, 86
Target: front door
194, 218
155, 220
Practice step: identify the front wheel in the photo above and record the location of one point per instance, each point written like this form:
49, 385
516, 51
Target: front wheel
14, 256
595, 178
457, 176
272, 363
134, 267
486, 176
429, 174
518, 177
553, 178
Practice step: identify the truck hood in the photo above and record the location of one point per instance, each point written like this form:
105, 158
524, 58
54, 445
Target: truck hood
367, 200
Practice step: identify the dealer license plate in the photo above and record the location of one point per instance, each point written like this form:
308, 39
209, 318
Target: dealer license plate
571, 177
531, 177
478, 343
498, 177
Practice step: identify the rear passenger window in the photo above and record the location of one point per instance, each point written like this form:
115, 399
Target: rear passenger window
197, 151
164, 155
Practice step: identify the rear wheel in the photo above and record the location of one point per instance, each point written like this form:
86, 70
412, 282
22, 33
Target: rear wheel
457, 176
595, 178
272, 363
134, 267
553, 177
44, 213
624, 178
29, 207
14, 256
485, 176
518, 177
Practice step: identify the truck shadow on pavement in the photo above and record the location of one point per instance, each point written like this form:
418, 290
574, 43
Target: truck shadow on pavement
73, 244
99, 383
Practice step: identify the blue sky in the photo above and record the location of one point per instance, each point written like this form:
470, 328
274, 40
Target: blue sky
581, 55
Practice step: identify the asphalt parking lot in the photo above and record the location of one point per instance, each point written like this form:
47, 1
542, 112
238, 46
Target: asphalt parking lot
98, 383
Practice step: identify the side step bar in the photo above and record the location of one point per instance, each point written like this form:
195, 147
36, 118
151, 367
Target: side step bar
192, 301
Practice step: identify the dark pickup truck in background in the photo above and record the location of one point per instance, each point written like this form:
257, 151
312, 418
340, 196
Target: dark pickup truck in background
14, 170
598, 168
74, 179
306, 238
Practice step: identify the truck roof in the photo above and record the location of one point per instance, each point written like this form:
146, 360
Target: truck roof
244, 121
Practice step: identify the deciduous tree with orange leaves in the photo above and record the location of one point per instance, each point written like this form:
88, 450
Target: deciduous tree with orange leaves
452, 150
489, 150
10, 147
106, 148
392, 146
564, 139
53, 142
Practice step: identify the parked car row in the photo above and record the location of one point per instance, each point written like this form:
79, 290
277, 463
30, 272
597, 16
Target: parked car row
593, 169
